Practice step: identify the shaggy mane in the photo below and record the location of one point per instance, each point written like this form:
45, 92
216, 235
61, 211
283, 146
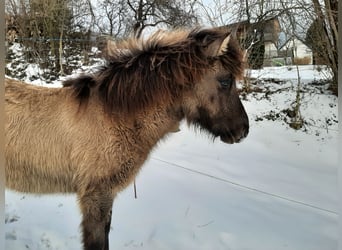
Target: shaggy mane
140, 73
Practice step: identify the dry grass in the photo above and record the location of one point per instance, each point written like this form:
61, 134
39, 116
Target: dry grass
302, 61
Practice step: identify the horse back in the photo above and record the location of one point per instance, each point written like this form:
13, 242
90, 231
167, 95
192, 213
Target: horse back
36, 149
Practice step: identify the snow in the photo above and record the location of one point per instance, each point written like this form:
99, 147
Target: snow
275, 190
306, 72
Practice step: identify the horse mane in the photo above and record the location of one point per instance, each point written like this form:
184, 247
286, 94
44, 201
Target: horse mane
139, 72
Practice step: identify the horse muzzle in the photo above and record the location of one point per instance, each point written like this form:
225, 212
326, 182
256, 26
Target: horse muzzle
235, 136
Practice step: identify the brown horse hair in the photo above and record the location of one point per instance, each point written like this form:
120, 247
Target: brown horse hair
79, 139
141, 72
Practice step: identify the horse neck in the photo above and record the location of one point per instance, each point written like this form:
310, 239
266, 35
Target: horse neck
147, 126
153, 124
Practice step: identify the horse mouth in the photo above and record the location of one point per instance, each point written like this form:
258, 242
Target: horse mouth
230, 138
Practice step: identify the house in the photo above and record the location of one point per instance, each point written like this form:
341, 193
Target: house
264, 49
260, 38
294, 51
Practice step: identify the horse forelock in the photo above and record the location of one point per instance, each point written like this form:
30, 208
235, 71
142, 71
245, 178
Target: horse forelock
154, 71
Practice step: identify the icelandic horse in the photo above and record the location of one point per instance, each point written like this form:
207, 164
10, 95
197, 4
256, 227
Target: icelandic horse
91, 136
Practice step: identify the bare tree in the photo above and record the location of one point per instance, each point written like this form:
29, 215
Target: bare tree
316, 26
304, 13
152, 13
219, 12
323, 36
118, 18
50, 31
108, 16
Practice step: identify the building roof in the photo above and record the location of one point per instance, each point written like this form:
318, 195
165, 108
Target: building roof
270, 28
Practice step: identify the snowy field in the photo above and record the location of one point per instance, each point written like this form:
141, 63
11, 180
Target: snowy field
275, 190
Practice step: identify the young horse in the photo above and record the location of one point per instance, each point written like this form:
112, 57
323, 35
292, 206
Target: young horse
92, 136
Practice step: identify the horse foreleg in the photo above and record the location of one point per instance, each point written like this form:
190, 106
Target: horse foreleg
96, 207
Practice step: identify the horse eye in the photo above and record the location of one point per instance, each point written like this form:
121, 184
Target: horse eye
225, 83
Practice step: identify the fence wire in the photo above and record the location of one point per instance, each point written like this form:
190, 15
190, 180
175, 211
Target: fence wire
171, 164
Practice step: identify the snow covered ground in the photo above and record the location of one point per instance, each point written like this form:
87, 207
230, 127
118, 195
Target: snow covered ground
275, 190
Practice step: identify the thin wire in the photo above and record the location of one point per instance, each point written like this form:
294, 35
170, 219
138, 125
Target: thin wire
246, 187
46, 39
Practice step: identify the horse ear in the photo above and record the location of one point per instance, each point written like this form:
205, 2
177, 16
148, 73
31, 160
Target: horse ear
245, 55
224, 46
218, 47
215, 43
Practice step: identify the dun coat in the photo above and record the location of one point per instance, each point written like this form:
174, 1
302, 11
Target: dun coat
92, 136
